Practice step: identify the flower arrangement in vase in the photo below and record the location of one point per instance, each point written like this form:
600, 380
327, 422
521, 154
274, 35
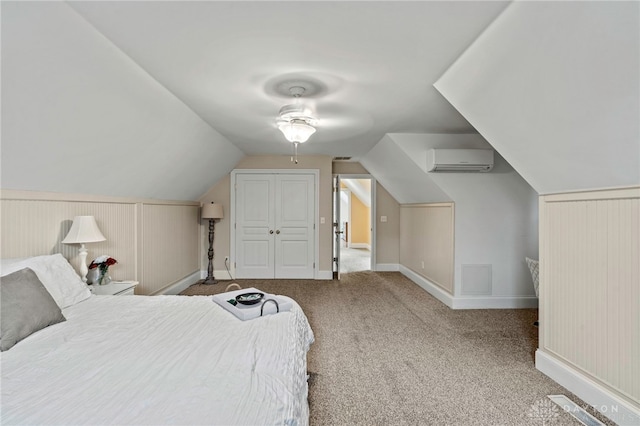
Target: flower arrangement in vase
100, 266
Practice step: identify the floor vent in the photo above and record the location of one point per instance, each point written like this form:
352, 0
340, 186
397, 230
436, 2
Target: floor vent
575, 410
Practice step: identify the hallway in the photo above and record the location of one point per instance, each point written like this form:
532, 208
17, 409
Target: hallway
354, 259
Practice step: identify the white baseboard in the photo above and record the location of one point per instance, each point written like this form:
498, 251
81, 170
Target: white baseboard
218, 275
430, 287
181, 285
495, 302
224, 275
615, 408
467, 302
387, 267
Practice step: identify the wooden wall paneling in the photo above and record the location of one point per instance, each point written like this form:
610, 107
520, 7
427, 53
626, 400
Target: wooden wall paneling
155, 242
590, 275
170, 240
427, 241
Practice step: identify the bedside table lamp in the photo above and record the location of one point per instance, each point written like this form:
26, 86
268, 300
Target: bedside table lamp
83, 230
212, 212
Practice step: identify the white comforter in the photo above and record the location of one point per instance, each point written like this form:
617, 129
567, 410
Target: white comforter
159, 360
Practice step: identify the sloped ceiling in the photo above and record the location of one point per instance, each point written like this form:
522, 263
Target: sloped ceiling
399, 161
79, 116
554, 87
162, 99
373, 63
400, 175
361, 188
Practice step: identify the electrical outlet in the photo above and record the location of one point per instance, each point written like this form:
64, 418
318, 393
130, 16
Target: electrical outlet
423, 264
226, 260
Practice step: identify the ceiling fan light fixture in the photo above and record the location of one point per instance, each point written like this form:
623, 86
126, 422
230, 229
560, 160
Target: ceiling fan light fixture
296, 112
297, 130
295, 121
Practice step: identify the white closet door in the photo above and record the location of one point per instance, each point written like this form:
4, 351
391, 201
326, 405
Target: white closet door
254, 226
294, 222
274, 225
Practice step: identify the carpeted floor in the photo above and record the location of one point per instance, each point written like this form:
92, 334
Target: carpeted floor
388, 353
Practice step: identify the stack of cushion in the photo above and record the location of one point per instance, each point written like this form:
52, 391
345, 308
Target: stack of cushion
33, 292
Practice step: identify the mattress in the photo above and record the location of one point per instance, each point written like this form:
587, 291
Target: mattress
159, 360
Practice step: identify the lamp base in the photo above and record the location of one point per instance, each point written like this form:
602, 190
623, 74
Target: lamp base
84, 269
208, 281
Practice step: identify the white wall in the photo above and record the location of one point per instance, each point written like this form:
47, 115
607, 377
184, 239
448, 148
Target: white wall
554, 87
496, 214
79, 116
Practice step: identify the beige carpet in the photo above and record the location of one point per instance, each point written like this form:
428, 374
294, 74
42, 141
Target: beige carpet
388, 353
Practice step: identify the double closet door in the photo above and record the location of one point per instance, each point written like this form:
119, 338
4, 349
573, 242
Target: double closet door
275, 225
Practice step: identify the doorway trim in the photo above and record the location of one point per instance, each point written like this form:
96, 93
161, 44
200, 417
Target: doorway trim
374, 184
316, 213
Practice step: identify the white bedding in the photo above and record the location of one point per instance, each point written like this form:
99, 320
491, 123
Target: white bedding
159, 360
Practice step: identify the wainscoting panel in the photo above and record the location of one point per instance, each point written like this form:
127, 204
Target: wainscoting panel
35, 223
37, 227
426, 241
170, 236
590, 286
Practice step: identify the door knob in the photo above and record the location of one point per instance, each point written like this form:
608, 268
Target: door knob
278, 231
271, 231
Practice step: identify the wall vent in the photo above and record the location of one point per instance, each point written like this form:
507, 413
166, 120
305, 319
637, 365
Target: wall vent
341, 158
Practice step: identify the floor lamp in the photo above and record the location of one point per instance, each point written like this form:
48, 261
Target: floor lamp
212, 212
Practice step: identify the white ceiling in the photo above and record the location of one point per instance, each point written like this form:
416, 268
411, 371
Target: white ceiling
373, 62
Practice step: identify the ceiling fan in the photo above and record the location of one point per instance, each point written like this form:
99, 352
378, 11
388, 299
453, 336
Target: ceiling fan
296, 121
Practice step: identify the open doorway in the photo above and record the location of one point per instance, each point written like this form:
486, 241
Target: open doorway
353, 220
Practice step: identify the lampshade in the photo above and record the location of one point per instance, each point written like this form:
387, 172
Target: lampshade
212, 211
297, 130
83, 230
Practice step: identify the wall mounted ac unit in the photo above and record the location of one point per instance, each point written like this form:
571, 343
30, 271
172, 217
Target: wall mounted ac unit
459, 160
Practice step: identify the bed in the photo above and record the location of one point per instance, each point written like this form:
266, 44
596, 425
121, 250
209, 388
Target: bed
154, 360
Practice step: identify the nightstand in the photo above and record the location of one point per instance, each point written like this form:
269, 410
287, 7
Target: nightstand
114, 288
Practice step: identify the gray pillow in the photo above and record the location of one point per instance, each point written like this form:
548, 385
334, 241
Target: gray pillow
25, 307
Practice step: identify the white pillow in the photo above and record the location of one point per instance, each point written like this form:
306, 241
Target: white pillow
56, 274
